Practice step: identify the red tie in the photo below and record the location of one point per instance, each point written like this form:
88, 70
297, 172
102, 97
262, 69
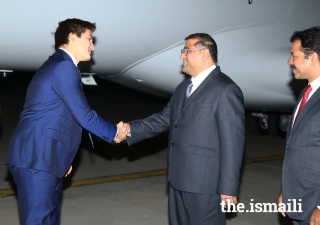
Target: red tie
304, 100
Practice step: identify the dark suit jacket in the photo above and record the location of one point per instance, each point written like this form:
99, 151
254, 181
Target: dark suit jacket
49, 131
206, 135
301, 166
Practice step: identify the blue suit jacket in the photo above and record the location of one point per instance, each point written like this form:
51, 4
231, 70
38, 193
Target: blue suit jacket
49, 131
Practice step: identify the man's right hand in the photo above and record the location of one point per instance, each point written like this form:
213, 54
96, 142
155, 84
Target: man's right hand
126, 129
123, 132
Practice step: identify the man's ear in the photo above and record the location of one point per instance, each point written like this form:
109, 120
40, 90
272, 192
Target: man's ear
206, 54
72, 37
314, 58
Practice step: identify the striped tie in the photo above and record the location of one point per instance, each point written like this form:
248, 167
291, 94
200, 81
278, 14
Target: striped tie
188, 91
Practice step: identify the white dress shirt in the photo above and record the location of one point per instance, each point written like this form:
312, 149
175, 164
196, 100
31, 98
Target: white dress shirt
314, 85
196, 81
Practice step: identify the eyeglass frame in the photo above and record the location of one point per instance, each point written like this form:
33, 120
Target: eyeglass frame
188, 50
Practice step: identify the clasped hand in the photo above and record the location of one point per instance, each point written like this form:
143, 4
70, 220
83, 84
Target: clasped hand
123, 132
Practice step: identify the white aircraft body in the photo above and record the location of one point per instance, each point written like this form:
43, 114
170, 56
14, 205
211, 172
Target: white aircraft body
138, 43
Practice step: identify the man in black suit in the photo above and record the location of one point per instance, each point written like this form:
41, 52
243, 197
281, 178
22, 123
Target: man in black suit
205, 119
301, 166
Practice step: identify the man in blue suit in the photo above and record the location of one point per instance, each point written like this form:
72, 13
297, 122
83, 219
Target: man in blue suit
48, 134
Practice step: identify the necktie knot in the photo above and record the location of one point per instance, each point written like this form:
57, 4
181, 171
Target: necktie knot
189, 89
308, 90
188, 92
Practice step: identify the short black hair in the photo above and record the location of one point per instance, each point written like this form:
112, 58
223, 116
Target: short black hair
205, 40
310, 40
75, 26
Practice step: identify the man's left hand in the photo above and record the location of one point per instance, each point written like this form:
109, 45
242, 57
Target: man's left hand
228, 199
315, 217
69, 171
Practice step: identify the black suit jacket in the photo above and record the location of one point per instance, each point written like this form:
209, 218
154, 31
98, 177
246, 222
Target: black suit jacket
301, 166
206, 135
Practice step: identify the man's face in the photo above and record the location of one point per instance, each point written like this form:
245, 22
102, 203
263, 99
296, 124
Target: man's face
84, 46
301, 67
192, 59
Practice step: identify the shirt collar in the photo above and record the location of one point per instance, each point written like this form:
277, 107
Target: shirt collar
197, 80
315, 84
71, 56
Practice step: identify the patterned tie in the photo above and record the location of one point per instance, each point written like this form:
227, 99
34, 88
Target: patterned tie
188, 91
304, 100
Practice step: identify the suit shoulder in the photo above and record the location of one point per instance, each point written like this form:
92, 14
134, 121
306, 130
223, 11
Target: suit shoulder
226, 80
59, 58
56, 67
55, 59
222, 83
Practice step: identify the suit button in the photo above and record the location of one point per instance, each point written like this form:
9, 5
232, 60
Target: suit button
172, 144
175, 126
79, 143
105, 138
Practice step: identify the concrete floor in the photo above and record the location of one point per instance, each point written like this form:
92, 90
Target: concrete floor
134, 201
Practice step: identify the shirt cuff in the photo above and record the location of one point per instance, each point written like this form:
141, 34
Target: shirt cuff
117, 132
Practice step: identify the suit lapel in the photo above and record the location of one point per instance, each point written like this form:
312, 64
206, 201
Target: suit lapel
202, 86
313, 99
182, 93
293, 112
291, 121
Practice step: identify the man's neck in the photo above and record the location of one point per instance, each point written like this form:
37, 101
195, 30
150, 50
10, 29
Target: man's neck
203, 69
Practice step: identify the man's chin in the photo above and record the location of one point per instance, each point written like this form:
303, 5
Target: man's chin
184, 70
88, 58
298, 77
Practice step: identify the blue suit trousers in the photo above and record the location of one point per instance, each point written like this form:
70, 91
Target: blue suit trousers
39, 196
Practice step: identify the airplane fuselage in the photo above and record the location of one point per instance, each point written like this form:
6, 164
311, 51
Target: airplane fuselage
138, 42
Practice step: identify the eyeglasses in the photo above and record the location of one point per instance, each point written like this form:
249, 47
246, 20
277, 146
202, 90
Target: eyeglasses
188, 50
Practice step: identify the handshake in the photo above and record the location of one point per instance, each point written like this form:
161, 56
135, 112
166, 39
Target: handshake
123, 132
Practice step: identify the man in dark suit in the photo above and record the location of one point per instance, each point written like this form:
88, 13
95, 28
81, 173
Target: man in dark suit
205, 119
48, 134
301, 166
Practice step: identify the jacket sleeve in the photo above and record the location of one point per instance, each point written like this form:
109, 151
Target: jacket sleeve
150, 126
66, 83
231, 128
